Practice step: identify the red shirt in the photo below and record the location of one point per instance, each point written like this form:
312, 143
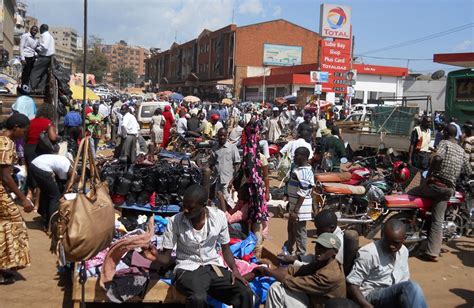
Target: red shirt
37, 126
88, 110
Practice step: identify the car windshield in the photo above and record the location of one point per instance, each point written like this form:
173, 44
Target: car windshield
148, 111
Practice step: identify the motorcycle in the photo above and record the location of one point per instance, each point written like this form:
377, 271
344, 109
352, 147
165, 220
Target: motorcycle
415, 212
349, 197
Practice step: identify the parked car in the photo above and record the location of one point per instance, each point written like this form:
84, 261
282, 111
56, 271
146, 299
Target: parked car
145, 112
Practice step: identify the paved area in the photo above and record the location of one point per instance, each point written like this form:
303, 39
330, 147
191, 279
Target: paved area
448, 283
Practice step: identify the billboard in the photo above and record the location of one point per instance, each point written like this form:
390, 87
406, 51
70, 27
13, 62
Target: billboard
281, 55
335, 21
321, 77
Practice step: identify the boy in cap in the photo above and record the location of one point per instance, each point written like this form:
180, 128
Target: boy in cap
309, 285
325, 221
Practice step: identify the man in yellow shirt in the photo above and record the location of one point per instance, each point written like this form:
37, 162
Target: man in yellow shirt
212, 127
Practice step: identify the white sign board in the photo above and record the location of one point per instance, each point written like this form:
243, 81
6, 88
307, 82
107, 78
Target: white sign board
335, 21
283, 55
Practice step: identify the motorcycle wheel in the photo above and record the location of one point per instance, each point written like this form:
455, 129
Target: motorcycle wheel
345, 209
412, 230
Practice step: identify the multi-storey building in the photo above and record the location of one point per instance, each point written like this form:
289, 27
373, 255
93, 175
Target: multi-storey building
122, 55
65, 39
217, 61
7, 26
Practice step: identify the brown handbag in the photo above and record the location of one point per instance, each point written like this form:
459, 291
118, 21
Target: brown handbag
85, 225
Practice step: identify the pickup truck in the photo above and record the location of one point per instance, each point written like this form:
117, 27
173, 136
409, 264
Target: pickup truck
386, 126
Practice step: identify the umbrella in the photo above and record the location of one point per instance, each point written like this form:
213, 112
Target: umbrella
227, 101
166, 93
176, 97
290, 98
191, 99
77, 92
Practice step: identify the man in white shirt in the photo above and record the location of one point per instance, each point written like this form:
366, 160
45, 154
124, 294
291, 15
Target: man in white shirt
182, 124
50, 171
291, 146
28, 44
46, 51
129, 131
104, 111
380, 274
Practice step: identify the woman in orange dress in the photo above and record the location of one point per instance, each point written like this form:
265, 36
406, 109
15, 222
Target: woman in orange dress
14, 248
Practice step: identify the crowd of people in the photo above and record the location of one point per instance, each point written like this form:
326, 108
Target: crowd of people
380, 276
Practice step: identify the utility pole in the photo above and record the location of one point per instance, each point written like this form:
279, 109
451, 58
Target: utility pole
84, 70
264, 74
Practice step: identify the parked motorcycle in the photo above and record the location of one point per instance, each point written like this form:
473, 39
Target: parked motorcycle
351, 200
415, 212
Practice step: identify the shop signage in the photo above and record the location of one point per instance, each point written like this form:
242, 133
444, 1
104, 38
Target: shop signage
336, 60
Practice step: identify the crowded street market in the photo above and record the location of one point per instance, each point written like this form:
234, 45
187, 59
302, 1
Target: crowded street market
220, 179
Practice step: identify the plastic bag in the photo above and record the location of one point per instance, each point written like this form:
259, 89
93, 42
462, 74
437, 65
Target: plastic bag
284, 167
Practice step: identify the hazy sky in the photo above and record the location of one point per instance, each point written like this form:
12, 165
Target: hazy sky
376, 23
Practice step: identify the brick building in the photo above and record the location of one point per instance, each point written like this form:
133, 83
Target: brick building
217, 61
123, 55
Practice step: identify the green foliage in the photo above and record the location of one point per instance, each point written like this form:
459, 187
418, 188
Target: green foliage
124, 76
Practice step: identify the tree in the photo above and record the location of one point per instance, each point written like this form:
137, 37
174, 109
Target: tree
124, 76
96, 61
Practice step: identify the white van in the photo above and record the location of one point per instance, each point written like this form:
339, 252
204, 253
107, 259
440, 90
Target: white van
146, 110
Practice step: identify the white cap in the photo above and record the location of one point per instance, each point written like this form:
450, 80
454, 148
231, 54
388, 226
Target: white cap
275, 109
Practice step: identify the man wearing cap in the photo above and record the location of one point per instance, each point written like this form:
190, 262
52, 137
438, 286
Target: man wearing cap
212, 127
275, 125
309, 285
380, 275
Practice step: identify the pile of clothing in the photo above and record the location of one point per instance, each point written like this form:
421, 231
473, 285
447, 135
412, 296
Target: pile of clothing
125, 270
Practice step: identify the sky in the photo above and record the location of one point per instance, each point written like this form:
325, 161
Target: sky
376, 23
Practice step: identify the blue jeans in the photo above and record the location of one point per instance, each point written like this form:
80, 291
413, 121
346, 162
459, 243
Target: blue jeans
406, 294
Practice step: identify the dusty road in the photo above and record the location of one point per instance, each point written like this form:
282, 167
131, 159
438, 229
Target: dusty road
448, 283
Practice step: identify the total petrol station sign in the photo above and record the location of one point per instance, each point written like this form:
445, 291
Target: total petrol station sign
335, 21
336, 60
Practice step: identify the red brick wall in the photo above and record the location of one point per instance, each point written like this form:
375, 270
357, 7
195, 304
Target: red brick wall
250, 40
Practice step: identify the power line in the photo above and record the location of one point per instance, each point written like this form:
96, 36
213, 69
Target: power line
389, 58
418, 40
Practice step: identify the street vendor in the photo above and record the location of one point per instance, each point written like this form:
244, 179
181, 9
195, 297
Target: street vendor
212, 126
196, 232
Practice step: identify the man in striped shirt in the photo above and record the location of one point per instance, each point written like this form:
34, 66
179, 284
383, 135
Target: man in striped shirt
299, 192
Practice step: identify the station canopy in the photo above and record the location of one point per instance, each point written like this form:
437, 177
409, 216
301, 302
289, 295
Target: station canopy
465, 59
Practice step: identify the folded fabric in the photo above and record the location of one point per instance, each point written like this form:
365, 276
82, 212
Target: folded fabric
120, 248
245, 247
260, 286
122, 288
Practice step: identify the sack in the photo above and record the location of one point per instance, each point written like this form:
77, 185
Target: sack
45, 146
85, 225
284, 167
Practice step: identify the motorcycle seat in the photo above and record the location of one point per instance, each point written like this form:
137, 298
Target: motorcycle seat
345, 189
333, 177
408, 201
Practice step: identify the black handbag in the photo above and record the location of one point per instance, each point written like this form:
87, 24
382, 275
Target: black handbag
45, 146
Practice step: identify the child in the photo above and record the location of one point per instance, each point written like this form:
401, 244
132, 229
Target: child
300, 201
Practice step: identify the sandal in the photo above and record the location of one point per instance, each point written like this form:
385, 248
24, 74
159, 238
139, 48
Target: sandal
428, 258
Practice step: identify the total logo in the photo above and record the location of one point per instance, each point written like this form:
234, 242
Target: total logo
337, 18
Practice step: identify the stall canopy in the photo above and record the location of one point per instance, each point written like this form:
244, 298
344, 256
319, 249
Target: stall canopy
465, 59
77, 93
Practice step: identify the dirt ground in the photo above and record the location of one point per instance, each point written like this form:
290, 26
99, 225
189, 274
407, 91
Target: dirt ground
448, 283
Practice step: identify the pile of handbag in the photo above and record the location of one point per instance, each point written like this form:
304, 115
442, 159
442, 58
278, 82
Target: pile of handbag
161, 184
